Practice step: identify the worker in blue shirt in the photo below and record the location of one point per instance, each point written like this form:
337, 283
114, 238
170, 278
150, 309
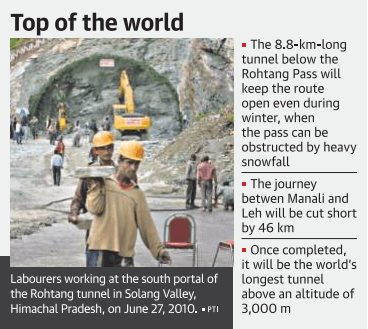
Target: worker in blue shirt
56, 165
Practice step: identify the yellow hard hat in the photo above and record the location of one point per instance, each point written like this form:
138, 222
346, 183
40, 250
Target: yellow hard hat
102, 138
132, 150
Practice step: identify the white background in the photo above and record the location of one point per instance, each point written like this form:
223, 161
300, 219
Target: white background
244, 20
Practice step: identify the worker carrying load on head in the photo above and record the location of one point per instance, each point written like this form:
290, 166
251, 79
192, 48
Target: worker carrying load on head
103, 148
121, 210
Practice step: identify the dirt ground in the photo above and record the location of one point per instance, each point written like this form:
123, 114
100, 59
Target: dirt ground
34, 200
40, 234
31, 184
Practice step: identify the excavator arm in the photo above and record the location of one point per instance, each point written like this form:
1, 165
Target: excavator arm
126, 92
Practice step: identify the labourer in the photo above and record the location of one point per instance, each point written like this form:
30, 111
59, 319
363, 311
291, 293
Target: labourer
93, 128
106, 124
103, 148
192, 181
185, 120
77, 134
206, 173
56, 165
52, 132
33, 125
18, 131
121, 210
227, 193
60, 146
14, 125
92, 157
11, 130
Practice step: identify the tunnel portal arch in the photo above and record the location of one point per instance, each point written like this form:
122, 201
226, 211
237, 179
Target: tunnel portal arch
90, 90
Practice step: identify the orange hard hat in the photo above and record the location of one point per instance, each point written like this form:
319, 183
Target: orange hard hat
132, 150
102, 138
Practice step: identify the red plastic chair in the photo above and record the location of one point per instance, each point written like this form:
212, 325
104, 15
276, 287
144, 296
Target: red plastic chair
180, 233
225, 245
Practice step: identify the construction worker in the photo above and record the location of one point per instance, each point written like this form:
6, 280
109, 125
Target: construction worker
206, 173
60, 146
56, 165
93, 128
103, 148
77, 134
33, 125
92, 157
227, 192
18, 131
106, 124
52, 132
192, 181
121, 210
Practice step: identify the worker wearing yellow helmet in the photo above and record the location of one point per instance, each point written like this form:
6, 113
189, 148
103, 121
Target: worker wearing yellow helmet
103, 148
120, 210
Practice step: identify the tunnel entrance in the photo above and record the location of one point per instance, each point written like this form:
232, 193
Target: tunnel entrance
89, 92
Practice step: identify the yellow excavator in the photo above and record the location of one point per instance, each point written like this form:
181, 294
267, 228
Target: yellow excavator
126, 120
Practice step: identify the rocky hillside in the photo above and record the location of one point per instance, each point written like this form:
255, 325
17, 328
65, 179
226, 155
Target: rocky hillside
185, 85
212, 135
171, 78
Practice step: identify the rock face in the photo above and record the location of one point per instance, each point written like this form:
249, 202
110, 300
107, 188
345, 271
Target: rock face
172, 79
212, 135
